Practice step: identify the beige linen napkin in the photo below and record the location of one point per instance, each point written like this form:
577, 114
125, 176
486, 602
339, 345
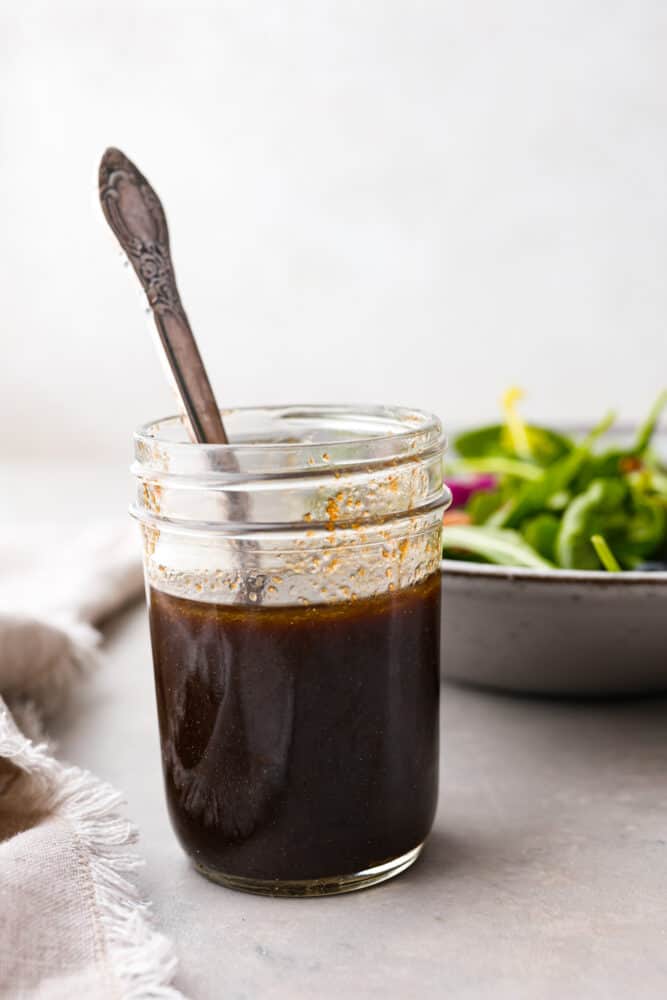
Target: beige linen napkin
71, 923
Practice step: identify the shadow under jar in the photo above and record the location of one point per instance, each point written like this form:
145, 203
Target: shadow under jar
294, 602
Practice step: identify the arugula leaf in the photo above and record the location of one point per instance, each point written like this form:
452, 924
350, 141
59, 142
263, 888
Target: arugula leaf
493, 545
648, 428
546, 446
499, 465
611, 461
644, 529
597, 511
541, 532
604, 554
481, 506
533, 497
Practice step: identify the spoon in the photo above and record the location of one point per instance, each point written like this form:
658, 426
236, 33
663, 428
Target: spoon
136, 216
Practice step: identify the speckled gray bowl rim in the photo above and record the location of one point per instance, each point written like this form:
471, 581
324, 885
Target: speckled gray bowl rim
488, 571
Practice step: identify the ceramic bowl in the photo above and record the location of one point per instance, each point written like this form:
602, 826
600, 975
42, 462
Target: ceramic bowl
558, 632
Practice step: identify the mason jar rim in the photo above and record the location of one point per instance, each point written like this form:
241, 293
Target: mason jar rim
383, 434
421, 421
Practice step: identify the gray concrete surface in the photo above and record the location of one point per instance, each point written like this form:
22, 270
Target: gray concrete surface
545, 877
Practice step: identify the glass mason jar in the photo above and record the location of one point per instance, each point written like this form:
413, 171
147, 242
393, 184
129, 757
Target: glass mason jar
294, 605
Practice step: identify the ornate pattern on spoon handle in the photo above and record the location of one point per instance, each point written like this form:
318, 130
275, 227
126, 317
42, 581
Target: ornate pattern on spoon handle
135, 214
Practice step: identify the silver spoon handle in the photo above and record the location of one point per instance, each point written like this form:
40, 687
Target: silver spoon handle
135, 214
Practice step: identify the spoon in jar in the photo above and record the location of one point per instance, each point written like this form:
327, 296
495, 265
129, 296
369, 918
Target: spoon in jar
136, 216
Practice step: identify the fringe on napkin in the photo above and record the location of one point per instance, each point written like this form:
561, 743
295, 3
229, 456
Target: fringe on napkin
42, 656
141, 958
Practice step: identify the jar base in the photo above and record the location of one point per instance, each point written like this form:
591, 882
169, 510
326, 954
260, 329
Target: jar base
333, 885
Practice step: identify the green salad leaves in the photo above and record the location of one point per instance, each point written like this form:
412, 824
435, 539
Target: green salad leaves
530, 496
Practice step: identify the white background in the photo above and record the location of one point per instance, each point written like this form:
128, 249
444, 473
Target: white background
416, 202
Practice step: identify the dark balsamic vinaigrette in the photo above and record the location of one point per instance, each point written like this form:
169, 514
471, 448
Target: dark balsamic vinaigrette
299, 742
